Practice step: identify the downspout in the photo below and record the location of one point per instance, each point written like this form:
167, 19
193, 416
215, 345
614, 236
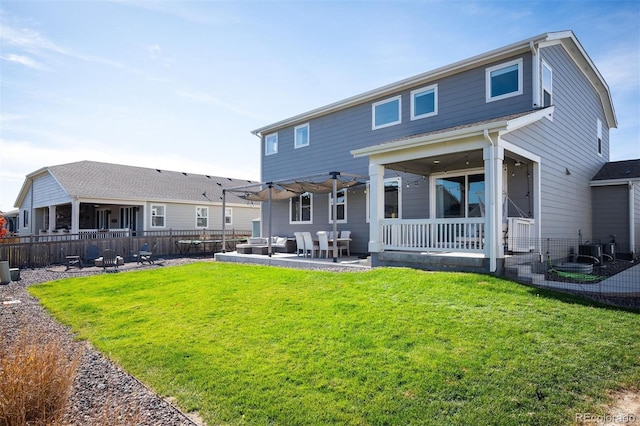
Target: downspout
632, 228
535, 75
492, 246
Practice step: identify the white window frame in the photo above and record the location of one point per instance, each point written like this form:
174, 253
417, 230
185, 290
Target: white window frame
386, 181
466, 173
433, 88
302, 222
228, 216
344, 203
298, 144
543, 87
488, 80
599, 137
163, 216
382, 102
267, 151
199, 215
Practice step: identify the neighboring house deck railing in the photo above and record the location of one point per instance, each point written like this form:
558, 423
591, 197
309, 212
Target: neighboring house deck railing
463, 235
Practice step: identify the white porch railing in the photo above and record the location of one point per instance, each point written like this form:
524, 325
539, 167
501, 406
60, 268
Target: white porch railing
520, 234
92, 234
461, 235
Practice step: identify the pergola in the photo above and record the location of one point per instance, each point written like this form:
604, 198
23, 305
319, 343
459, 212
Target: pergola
323, 183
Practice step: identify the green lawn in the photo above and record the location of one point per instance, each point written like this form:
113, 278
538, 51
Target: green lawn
262, 345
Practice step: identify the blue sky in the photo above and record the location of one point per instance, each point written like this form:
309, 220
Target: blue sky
180, 85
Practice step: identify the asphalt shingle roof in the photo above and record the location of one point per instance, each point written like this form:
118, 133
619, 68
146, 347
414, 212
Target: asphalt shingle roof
114, 181
627, 169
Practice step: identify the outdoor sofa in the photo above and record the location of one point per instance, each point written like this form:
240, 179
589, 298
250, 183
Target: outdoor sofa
259, 245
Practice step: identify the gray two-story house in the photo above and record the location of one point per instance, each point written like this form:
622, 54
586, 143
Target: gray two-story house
477, 159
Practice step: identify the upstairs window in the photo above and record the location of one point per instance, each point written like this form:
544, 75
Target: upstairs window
202, 217
386, 113
599, 137
271, 144
301, 136
301, 209
157, 215
504, 80
547, 85
424, 102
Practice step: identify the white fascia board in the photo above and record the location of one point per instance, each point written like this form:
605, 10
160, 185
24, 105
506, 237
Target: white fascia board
525, 120
466, 132
420, 79
613, 182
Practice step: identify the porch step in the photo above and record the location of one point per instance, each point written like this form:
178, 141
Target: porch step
523, 273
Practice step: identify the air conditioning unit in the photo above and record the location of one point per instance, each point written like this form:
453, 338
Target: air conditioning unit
590, 253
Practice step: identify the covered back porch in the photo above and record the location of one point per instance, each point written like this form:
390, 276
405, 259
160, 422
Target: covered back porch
461, 198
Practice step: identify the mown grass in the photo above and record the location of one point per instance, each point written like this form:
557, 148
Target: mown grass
262, 345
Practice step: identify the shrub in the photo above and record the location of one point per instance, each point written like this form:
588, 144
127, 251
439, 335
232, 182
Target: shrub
37, 379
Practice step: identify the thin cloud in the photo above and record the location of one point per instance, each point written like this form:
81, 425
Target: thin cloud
23, 60
621, 69
212, 100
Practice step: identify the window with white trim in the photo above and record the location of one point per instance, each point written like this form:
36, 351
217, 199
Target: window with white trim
301, 136
25, 218
547, 85
202, 217
599, 136
301, 209
386, 113
271, 144
424, 102
228, 216
504, 80
341, 206
157, 215
459, 195
392, 198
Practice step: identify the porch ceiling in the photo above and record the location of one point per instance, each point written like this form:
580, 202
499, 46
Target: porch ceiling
450, 162
440, 163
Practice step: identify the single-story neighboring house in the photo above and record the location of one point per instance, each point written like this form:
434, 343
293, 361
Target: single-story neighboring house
91, 196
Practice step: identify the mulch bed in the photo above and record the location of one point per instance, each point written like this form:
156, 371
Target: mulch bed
600, 273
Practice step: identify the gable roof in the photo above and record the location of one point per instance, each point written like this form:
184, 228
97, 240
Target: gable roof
566, 38
92, 179
617, 172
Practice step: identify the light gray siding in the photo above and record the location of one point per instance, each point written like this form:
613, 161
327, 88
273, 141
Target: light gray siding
47, 191
611, 215
568, 143
183, 216
333, 136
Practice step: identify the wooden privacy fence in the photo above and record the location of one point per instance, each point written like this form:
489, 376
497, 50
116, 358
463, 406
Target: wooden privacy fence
38, 251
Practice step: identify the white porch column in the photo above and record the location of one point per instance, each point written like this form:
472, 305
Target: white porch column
493, 156
52, 219
376, 206
75, 216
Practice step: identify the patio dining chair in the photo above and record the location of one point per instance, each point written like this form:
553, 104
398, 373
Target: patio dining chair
309, 246
323, 244
344, 244
299, 243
